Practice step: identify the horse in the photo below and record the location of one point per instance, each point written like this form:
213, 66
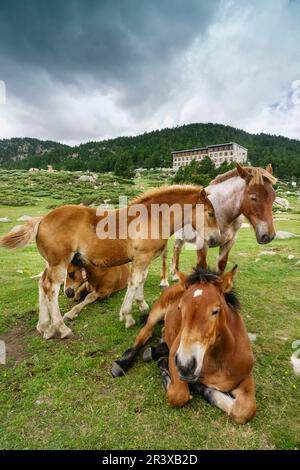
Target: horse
244, 191
74, 229
209, 349
84, 279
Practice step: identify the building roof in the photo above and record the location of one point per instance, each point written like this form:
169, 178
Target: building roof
207, 147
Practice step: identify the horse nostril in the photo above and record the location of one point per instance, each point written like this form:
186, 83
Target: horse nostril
70, 292
265, 238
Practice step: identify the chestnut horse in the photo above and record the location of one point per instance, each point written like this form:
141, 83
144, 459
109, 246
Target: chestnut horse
208, 343
75, 229
245, 191
97, 283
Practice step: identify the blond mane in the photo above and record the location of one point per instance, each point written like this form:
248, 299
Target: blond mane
258, 174
148, 195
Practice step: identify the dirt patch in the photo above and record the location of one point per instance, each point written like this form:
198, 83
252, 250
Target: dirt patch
14, 342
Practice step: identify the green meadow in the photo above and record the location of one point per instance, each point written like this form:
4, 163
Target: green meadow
60, 394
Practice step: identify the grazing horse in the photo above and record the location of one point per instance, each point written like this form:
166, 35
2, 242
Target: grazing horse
245, 191
76, 229
207, 342
98, 283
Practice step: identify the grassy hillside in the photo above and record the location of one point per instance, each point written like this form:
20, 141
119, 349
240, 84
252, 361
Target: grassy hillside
60, 394
153, 149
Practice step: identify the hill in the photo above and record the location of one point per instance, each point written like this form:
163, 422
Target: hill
152, 149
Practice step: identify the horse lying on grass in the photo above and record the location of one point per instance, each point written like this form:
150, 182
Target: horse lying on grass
207, 342
68, 230
84, 279
245, 191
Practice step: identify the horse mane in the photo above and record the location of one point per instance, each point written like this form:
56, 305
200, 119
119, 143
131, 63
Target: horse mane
258, 174
201, 276
148, 195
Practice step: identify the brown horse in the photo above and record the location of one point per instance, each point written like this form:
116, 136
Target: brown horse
75, 229
245, 191
208, 343
98, 283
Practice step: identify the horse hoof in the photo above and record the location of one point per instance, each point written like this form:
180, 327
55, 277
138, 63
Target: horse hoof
164, 283
65, 332
117, 371
147, 355
129, 323
68, 317
175, 277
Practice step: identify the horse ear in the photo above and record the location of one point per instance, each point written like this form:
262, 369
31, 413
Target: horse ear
243, 173
182, 278
203, 195
269, 168
226, 280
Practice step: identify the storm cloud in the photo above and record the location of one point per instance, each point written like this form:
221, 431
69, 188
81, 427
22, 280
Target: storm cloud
84, 69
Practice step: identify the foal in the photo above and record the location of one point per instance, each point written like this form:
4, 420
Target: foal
245, 191
97, 283
209, 347
75, 229
208, 343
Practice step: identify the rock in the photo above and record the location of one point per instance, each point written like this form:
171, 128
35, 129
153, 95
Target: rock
291, 257
257, 259
20, 271
4, 219
24, 218
245, 225
282, 203
282, 234
295, 361
266, 253
252, 336
297, 264
87, 178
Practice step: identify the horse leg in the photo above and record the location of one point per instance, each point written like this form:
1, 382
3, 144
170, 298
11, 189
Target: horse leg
44, 317
51, 283
219, 399
156, 352
122, 365
178, 245
178, 392
74, 312
164, 275
201, 257
139, 296
136, 278
244, 407
223, 254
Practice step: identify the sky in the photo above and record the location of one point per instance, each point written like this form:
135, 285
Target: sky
81, 70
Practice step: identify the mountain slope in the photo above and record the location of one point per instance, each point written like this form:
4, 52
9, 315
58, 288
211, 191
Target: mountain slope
153, 149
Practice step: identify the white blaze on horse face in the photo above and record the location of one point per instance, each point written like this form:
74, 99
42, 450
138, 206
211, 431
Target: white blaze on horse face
198, 292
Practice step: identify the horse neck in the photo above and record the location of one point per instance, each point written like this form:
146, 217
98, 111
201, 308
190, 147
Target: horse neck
179, 197
226, 198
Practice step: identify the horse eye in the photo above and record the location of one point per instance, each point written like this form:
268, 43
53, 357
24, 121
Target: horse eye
72, 275
253, 198
211, 214
216, 311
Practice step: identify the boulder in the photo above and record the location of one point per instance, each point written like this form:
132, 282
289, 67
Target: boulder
24, 218
4, 219
282, 203
282, 234
87, 178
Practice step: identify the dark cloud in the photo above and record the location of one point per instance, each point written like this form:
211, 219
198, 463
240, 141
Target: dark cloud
112, 41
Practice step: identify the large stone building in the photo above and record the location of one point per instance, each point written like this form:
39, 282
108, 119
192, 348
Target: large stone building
230, 152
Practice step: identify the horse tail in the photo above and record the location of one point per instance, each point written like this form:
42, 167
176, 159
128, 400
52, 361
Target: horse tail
21, 235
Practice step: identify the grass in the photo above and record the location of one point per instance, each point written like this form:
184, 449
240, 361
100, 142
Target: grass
60, 394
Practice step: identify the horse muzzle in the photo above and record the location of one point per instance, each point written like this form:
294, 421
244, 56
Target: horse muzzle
187, 371
214, 240
70, 292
